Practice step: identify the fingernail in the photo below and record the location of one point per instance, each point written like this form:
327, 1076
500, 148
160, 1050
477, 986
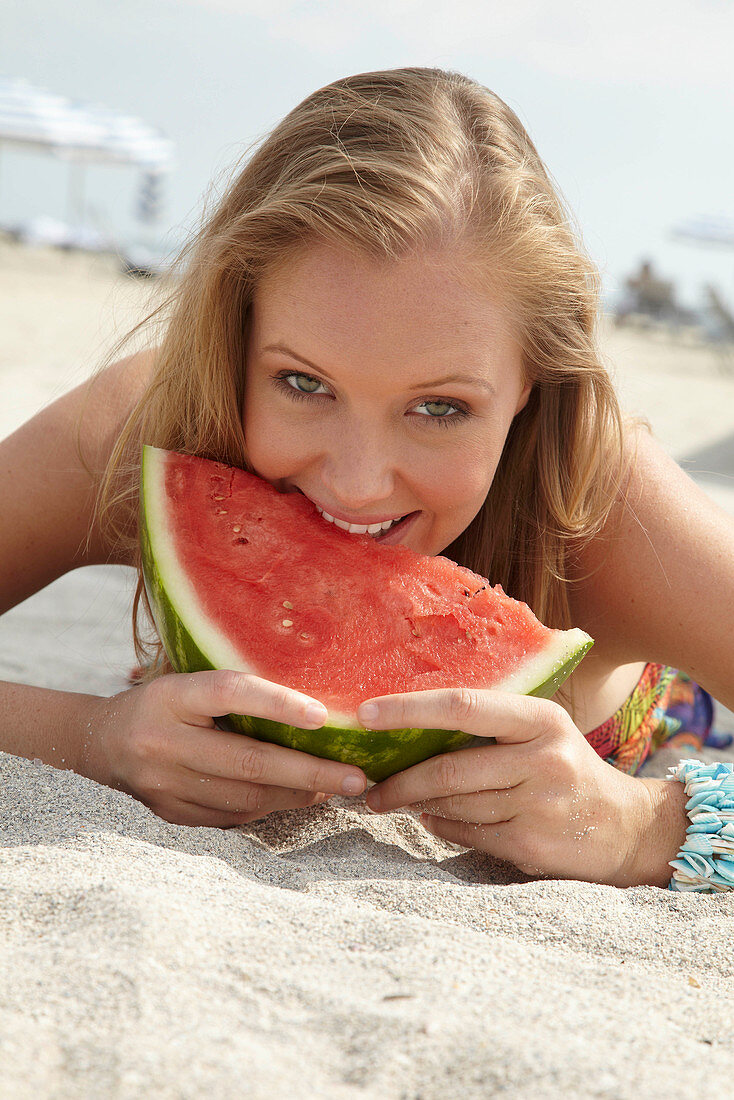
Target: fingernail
367, 712
352, 785
373, 802
316, 712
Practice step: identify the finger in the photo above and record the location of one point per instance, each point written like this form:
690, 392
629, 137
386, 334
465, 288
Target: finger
205, 695
188, 813
231, 796
476, 711
498, 840
480, 808
233, 756
484, 767
181, 812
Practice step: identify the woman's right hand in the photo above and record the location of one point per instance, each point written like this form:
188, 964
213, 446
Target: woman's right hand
158, 742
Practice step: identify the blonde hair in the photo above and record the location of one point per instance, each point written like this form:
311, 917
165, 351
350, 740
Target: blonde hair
390, 163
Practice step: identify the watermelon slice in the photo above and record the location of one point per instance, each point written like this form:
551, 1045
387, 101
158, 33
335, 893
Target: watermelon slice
243, 577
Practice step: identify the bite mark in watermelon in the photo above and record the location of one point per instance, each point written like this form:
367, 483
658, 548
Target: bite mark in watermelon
240, 576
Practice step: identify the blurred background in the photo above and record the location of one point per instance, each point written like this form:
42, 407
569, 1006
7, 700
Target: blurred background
147, 107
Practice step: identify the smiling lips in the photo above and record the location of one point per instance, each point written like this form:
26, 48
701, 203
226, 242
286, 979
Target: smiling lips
376, 529
373, 529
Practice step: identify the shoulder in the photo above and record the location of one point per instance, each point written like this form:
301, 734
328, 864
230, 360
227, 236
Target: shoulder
102, 404
50, 472
96, 415
658, 582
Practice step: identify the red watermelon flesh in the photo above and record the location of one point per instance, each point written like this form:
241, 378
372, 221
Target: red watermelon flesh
264, 584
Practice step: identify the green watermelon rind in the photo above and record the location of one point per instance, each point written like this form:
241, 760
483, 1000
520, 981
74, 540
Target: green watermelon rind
379, 753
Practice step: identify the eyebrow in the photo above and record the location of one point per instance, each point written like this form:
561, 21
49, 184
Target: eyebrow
468, 379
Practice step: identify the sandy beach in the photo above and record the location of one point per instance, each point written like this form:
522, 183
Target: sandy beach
327, 953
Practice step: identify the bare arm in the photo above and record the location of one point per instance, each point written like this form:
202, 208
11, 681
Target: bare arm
662, 584
50, 470
662, 589
49, 476
47, 725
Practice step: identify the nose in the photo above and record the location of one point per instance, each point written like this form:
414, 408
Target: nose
359, 469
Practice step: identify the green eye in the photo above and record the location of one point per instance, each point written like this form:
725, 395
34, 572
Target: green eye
437, 408
306, 383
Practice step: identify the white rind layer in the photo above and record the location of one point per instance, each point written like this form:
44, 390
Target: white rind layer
536, 670
180, 591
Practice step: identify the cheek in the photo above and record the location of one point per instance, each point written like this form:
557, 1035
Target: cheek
271, 448
459, 483
456, 489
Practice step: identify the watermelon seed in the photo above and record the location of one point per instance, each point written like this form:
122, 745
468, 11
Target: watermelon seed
414, 631
288, 604
305, 637
237, 528
216, 496
287, 622
241, 541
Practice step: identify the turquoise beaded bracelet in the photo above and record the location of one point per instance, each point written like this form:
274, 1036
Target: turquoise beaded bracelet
706, 860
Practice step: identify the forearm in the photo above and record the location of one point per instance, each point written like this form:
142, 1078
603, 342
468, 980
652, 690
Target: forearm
52, 726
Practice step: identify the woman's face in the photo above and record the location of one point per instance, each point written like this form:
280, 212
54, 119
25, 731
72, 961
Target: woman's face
381, 390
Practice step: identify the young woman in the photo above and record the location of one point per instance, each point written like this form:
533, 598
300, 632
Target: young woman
389, 312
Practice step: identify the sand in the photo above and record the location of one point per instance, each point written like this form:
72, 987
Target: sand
328, 952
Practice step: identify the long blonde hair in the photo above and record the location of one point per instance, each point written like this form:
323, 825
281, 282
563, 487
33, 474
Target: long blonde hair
390, 163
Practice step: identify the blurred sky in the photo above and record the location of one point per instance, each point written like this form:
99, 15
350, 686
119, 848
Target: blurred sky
630, 103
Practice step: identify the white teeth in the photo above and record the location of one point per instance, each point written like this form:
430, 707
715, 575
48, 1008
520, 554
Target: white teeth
359, 528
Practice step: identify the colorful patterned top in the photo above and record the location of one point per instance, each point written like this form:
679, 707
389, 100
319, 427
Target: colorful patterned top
665, 708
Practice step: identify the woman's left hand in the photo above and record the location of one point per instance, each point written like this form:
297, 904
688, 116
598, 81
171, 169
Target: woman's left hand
540, 797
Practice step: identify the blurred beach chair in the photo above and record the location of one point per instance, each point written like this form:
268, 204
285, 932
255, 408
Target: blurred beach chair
649, 301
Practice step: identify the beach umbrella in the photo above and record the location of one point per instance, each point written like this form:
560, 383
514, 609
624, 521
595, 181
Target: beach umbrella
34, 118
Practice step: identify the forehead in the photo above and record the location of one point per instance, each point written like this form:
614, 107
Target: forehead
423, 305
